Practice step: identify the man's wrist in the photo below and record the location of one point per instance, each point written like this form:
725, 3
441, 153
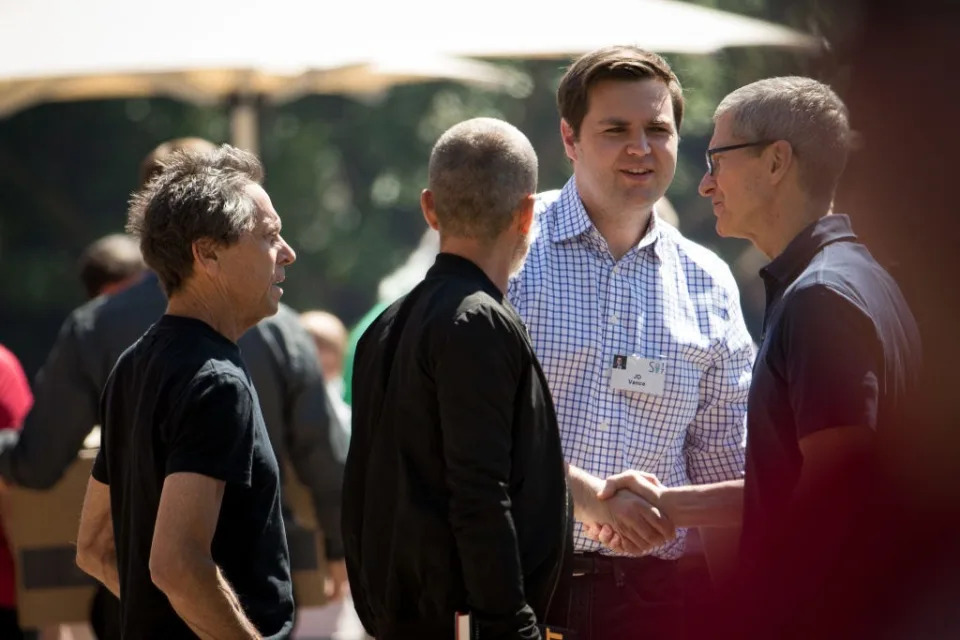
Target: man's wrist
584, 487
718, 504
678, 504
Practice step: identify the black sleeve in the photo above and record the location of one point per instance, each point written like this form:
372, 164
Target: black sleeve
369, 386
63, 413
316, 442
100, 472
833, 360
477, 372
212, 430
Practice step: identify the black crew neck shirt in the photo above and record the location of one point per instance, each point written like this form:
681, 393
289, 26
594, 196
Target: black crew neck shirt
180, 400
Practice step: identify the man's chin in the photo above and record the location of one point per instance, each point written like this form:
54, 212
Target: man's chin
723, 228
268, 309
518, 260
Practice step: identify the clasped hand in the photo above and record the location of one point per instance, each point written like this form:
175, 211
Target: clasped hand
629, 515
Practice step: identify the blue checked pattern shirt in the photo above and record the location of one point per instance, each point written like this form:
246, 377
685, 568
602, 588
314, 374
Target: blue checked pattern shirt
668, 299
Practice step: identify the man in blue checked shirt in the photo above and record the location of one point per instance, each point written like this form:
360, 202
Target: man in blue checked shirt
641, 337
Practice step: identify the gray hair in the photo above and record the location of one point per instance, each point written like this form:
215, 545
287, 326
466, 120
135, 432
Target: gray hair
480, 171
807, 114
197, 195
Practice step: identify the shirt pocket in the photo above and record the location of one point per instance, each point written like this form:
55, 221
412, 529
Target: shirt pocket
658, 423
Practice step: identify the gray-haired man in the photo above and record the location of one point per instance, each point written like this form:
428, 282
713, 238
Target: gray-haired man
839, 356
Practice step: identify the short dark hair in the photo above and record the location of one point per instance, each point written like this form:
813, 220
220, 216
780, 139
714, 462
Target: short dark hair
480, 171
197, 195
109, 260
624, 63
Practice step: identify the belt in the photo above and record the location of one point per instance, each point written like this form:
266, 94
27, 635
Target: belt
556, 633
594, 564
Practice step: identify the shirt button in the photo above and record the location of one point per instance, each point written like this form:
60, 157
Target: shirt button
616, 269
614, 319
604, 426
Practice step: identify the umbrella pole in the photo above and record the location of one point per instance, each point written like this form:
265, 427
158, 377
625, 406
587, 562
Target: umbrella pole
245, 122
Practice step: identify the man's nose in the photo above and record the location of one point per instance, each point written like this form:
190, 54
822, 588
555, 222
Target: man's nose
287, 254
639, 146
707, 185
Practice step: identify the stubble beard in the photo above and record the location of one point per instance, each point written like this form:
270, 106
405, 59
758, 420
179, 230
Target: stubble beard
520, 254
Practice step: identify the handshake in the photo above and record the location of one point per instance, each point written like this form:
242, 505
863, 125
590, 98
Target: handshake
627, 512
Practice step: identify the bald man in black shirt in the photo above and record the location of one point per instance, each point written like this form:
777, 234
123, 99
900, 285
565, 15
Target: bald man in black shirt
455, 499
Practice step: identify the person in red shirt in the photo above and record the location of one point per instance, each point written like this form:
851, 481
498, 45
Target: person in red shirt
15, 401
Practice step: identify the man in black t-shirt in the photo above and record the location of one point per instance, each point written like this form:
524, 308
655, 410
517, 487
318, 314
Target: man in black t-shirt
182, 516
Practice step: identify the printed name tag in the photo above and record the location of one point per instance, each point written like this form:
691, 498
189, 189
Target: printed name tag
633, 373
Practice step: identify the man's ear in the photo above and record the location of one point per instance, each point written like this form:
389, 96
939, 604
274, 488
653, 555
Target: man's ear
569, 138
780, 160
205, 254
429, 210
525, 214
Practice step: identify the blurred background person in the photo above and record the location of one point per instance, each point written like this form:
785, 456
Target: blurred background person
330, 336
15, 402
110, 264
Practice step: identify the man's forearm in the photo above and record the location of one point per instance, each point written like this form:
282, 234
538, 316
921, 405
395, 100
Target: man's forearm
584, 488
103, 568
206, 602
109, 574
705, 505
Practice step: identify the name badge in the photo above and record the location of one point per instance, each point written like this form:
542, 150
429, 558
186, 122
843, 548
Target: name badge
633, 373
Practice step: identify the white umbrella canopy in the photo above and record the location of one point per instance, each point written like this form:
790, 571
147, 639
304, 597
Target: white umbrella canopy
210, 85
567, 28
207, 50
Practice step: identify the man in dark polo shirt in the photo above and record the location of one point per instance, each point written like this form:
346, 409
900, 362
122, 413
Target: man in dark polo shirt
182, 517
455, 498
839, 355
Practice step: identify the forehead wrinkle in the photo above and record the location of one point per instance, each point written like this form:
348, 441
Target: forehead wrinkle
270, 220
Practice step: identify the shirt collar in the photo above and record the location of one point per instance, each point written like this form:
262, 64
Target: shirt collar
449, 264
807, 243
572, 220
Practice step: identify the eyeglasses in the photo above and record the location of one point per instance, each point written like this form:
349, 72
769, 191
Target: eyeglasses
710, 152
